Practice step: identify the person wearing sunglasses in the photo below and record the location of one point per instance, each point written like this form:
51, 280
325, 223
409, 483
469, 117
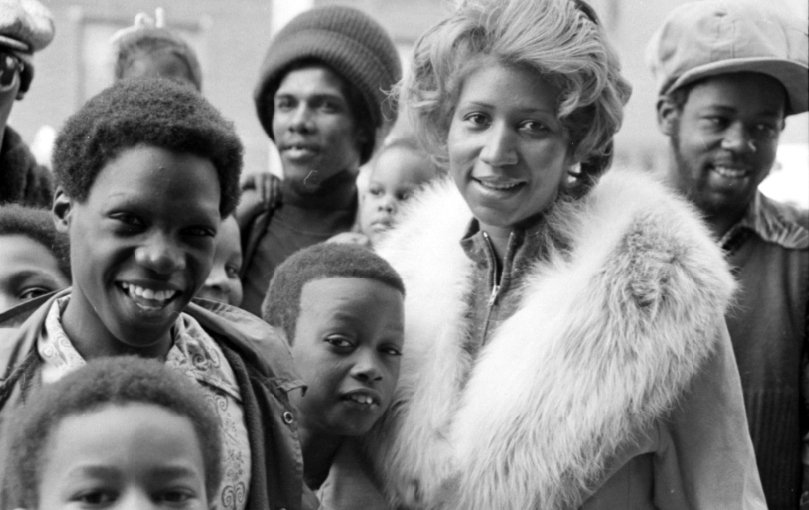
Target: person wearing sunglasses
26, 26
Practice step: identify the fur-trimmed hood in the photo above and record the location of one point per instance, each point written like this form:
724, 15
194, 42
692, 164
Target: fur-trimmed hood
608, 335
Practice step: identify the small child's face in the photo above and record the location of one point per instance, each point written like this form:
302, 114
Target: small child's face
347, 348
27, 270
123, 456
396, 175
224, 284
142, 245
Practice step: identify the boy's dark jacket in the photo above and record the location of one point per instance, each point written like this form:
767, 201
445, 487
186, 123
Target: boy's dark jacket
260, 359
22, 180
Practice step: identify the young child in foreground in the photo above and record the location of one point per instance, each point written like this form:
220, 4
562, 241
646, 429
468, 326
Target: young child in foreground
341, 308
398, 170
146, 171
34, 258
119, 433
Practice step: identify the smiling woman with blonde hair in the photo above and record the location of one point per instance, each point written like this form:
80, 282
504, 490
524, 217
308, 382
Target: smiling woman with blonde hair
566, 346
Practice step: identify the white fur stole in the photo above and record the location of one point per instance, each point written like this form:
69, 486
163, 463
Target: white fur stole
605, 340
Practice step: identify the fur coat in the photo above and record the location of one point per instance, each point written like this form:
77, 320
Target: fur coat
617, 354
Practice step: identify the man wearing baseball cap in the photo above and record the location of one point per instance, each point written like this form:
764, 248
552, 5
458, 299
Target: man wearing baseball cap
729, 72
25, 27
322, 98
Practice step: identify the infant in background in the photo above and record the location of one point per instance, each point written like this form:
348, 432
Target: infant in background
398, 170
120, 432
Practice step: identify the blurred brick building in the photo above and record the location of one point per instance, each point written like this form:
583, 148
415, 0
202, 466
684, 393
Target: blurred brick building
231, 37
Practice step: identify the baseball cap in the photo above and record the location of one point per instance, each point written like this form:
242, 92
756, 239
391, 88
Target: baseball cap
712, 37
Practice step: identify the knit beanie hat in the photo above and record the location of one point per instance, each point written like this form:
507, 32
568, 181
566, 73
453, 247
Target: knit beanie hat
351, 44
150, 36
26, 26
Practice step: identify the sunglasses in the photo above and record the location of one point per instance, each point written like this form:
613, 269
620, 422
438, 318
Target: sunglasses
10, 65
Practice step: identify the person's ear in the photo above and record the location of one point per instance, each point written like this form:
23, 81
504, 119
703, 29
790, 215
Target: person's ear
61, 210
668, 115
575, 155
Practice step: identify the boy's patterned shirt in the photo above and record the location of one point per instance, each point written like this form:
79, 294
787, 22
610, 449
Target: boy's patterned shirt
196, 355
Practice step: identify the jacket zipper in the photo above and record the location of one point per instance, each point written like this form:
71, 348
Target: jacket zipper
495, 285
493, 272
493, 296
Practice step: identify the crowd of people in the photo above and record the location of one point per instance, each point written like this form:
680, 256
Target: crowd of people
496, 319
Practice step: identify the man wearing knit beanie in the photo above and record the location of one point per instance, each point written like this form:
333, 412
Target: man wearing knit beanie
729, 73
26, 26
322, 96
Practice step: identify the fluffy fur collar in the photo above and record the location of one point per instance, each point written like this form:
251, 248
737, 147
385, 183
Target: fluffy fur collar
607, 336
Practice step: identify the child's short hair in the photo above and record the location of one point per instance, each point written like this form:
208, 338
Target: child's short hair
144, 40
156, 112
405, 142
326, 260
411, 144
117, 381
36, 224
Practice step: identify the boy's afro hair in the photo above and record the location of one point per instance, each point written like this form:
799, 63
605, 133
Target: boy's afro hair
156, 112
36, 224
325, 260
107, 381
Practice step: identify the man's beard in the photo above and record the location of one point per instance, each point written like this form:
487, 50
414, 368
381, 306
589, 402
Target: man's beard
691, 182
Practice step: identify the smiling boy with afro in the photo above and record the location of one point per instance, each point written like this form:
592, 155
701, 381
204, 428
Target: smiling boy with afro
146, 170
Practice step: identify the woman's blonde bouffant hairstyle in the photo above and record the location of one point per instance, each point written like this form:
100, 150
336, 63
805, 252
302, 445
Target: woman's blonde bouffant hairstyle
561, 40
